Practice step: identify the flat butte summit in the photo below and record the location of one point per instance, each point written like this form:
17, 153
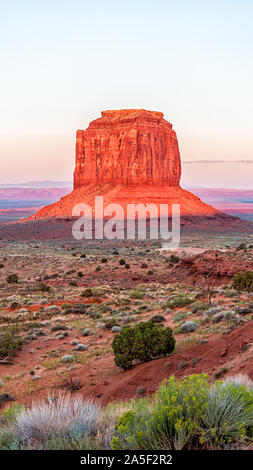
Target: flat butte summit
128, 156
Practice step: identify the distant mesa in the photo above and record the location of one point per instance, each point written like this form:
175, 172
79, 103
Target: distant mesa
128, 156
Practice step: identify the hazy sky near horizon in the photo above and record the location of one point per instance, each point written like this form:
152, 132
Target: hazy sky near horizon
63, 61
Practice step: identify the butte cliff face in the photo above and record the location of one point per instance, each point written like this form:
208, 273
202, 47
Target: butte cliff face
129, 146
128, 156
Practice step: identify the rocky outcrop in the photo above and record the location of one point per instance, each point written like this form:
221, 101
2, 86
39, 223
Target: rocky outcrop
129, 146
128, 156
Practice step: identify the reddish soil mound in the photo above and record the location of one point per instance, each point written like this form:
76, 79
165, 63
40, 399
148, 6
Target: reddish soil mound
197, 359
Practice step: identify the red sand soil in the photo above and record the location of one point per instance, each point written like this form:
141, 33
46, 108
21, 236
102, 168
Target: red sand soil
103, 381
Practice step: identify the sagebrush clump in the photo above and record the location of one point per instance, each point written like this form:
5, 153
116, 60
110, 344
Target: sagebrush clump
64, 417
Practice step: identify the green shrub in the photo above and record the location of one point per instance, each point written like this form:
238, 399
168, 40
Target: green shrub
44, 287
10, 413
170, 422
110, 323
242, 246
9, 342
174, 259
144, 342
122, 262
178, 302
187, 415
87, 293
178, 317
8, 439
136, 294
12, 279
243, 281
228, 416
66, 305
199, 306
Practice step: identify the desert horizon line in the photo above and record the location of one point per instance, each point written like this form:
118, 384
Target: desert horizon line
69, 184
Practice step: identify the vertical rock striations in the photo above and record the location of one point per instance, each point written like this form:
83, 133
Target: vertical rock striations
129, 146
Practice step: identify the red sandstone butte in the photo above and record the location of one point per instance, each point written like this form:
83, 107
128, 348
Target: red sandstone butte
128, 156
132, 147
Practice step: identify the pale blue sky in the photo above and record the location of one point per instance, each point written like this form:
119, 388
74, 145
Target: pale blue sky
63, 61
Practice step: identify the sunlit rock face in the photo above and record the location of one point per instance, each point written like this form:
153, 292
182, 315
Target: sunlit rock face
129, 146
128, 156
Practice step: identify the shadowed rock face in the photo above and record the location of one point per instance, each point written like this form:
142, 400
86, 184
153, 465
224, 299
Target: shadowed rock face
129, 146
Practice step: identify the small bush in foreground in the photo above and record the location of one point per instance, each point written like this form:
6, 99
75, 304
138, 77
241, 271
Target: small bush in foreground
144, 342
169, 422
64, 417
228, 416
243, 281
187, 415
